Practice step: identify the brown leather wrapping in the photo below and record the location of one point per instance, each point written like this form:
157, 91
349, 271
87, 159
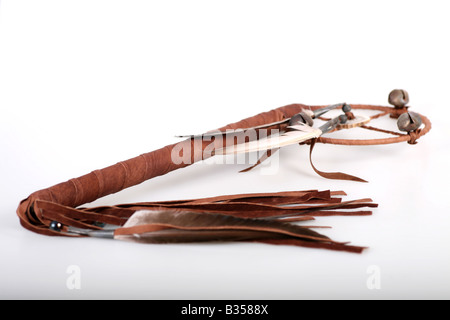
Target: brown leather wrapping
124, 174
35, 212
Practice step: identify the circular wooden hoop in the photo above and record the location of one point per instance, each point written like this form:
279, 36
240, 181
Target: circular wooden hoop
394, 113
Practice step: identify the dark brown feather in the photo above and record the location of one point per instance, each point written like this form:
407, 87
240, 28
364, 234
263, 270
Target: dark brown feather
159, 222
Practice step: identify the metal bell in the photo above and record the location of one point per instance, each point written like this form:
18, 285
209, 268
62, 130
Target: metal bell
398, 98
409, 121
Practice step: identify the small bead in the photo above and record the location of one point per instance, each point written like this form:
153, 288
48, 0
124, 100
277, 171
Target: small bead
343, 119
99, 224
346, 108
55, 226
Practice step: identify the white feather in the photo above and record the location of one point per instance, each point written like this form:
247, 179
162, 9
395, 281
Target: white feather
298, 133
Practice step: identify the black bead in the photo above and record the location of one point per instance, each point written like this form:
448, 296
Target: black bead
99, 224
55, 226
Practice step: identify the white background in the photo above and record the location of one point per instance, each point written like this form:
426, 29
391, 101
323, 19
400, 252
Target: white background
85, 84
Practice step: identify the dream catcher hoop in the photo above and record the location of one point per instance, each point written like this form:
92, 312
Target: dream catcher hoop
405, 134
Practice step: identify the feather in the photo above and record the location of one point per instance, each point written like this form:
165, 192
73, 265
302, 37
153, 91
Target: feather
169, 226
181, 226
311, 244
216, 133
296, 134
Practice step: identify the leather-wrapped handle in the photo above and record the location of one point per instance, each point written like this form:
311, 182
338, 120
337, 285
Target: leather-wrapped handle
112, 179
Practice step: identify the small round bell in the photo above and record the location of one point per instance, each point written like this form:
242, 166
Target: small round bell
398, 98
409, 121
